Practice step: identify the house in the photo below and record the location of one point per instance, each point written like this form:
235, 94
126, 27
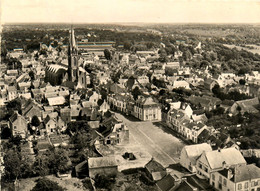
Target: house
59, 100
181, 84
37, 94
104, 107
118, 102
154, 170
209, 84
192, 131
212, 161
94, 97
32, 110
18, 125
186, 186
113, 131
81, 169
226, 104
171, 65
65, 114
190, 154
102, 165
12, 92
240, 177
50, 124
167, 183
61, 125
244, 106
146, 109
206, 102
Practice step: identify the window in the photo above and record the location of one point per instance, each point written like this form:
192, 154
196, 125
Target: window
15, 127
213, 176
220, 179
200, 166
246, 185
239, 186
225, 182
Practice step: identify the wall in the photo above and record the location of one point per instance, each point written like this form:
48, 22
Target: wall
103, 170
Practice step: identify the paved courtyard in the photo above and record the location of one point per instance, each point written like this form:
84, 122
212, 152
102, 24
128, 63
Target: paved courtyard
155, 139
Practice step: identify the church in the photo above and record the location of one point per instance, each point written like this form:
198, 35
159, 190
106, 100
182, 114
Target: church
73, 74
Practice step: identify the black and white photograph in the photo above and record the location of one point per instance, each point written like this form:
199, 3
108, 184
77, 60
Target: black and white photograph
130, 95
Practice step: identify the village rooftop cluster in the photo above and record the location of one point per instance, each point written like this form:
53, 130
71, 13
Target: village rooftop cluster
75, 110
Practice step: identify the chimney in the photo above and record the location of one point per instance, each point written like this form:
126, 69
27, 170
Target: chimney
224, 164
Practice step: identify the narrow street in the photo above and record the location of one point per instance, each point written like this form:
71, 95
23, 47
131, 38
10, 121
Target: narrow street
161, 145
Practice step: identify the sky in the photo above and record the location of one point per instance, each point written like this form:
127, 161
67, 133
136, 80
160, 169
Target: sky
150, 11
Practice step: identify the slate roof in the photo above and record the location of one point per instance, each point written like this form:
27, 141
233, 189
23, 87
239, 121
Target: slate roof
185, 186
98, 162
230, 156
154, 166
242, 173
194, 151
166, 184
14, 117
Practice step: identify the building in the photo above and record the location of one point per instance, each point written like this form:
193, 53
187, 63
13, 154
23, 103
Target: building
240, 177
212, 161
113, 132
154, 170
245, 106
50, 124
55, 74
102, 165
146, 109
190, 153
12, 92
93, 47
32, 110
18, 125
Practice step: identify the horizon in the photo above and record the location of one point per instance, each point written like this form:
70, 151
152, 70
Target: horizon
137, 22
131, 11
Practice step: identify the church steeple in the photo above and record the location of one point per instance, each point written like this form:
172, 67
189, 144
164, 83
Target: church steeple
72, 58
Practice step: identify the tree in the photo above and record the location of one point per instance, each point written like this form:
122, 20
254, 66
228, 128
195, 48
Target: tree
102, 181
163, 55
35, 121
6, 133
242, 82
130, 82
127, 45
136, 92
41, 165
58, 160
107, 54
100, 102
162, 92
45, 184
12, 163
243, 71
116, 76
187, 55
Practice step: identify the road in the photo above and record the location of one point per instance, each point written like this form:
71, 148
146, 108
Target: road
160, 144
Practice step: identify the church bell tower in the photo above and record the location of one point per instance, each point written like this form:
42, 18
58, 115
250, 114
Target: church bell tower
72, 58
